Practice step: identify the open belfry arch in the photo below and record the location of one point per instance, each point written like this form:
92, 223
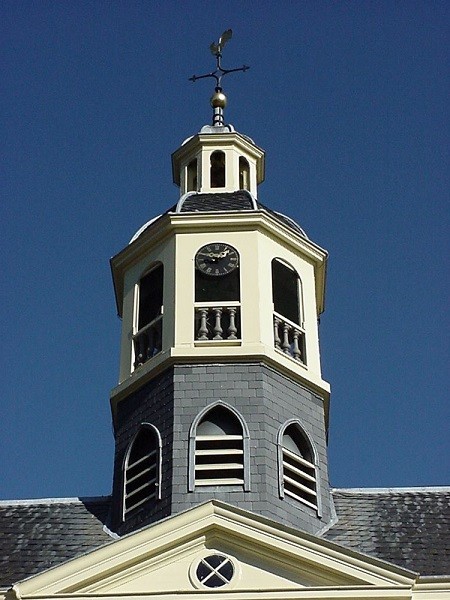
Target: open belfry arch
220, 416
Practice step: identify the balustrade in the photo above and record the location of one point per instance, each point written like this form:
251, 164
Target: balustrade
217, 323
288, 338
147, 341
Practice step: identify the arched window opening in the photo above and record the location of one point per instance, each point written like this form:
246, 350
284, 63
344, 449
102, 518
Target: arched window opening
298, 470
142, 469
217, 297
285, 291
219, 448
289, 335
244, 174
148, 337
217, 169
191, 176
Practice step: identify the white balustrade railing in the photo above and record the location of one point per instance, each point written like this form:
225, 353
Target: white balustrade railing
289, 337
147, 341
217, 323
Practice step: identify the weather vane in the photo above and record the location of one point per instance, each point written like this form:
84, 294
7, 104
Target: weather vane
219, 100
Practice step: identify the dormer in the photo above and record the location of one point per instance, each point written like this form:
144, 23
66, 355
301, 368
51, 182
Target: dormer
218, 159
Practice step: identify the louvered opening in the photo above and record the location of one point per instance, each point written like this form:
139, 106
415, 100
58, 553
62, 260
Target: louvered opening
219, 460
299, 472
141, 471
219, 449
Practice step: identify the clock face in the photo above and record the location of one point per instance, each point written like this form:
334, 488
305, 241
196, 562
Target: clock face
217, 259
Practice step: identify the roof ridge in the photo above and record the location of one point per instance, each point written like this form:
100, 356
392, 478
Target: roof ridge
34, 501
390, 490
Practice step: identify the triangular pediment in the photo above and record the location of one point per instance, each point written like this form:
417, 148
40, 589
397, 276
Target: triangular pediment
217, 549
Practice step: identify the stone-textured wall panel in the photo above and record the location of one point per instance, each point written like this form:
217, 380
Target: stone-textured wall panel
266, 400
153, 403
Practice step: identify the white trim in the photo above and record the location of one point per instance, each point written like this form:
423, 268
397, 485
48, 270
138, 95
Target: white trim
80, 500
143, 228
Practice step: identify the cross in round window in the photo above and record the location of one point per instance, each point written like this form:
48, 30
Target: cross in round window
215, 571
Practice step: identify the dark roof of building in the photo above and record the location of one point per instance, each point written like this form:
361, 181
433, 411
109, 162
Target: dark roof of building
197, 202
229, 201
407, 527
241, 200
38, 534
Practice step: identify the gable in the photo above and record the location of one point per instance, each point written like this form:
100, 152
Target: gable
260, 555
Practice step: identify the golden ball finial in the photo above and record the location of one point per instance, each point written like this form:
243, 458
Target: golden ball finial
218, 100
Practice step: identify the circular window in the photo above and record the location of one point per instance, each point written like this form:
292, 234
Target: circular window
214, 571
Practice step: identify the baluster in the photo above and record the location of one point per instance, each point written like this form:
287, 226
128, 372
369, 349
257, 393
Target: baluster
232, 329
136, 360
158, 337
285, 344
138, 351
202, 333
276, 335
150, 335
217, 326
295, 348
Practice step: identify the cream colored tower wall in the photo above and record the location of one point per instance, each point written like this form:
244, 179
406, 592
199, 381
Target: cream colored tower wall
270, 249
258, 242
163, 254
256, 250
232, 156
186, 248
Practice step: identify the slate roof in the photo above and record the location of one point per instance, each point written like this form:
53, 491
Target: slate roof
226, 201
241, 200
38, 534
407, 527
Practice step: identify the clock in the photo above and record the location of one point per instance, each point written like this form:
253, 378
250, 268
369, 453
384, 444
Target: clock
217, 259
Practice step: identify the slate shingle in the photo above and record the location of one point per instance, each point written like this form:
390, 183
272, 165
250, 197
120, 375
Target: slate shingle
407, 527
241, 200
38, 534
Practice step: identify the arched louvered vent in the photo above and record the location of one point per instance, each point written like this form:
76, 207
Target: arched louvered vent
219, 447
298, 478
142, 469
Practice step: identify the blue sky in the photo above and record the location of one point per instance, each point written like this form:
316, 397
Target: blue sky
350, 102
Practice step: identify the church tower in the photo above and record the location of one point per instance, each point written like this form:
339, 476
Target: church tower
220, 392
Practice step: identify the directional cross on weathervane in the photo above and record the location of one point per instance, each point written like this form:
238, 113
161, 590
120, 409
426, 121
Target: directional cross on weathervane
218, 101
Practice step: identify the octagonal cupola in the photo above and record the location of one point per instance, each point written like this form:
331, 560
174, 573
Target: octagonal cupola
218, 159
